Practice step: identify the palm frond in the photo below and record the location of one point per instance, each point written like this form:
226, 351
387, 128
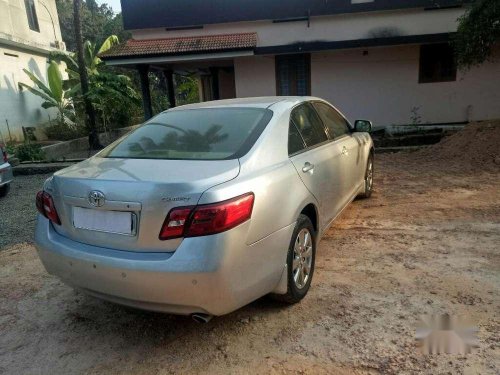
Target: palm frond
111, 41
39, 93
48, 105
37, 81
61, 56
55, 81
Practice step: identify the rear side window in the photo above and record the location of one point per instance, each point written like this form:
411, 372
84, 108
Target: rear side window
194, 134
309, 125
295, 142
336, 124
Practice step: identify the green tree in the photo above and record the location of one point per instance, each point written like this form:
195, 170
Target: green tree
186, 89
53, 94
113, 96
90, 120
90, 58
158, 90
114, 26
478, 32
98, 21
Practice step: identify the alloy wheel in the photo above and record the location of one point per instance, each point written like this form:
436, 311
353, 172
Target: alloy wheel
302, 258
369, 176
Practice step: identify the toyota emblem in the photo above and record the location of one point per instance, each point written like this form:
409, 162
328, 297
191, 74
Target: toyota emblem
96, 198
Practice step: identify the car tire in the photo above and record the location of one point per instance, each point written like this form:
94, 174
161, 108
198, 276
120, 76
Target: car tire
302, 256
368, 182
4, 190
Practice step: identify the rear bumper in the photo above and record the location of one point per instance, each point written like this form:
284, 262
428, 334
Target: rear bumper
6, 175
213, 274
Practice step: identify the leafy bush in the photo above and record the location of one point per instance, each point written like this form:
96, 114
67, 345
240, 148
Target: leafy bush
10, 147
114, 99
63, 132
478, 33
29, 152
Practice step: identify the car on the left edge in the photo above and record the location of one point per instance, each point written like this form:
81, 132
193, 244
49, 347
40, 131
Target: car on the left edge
6, 176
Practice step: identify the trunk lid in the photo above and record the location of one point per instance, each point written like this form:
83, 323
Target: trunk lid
147, 188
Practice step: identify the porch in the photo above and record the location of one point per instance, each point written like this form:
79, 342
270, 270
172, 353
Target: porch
210, 58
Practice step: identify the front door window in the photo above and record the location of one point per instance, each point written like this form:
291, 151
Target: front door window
336, 124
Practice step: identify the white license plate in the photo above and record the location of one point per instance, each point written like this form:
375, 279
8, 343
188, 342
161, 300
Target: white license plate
104, 221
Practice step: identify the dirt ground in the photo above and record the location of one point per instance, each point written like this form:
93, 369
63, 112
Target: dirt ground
427, 242
18, 212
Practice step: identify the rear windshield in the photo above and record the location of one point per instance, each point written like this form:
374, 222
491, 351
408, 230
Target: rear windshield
194, 134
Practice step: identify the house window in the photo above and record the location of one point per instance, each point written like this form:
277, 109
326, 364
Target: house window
293, 75
437, 63
31, 13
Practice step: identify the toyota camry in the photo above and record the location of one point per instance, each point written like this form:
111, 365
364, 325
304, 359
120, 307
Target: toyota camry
206, 207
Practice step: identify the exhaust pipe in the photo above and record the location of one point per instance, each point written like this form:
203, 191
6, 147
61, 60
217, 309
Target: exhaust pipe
201, 318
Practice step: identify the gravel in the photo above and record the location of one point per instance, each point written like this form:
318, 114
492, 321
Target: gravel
18, 211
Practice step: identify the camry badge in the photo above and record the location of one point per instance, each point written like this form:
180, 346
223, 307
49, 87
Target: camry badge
96, 198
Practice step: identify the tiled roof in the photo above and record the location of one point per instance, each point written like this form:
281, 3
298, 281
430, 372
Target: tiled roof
183, 45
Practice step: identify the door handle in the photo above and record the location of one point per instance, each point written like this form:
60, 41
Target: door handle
344, 151
308, 167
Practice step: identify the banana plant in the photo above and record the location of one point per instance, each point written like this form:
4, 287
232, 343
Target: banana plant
53, 94
106, 90
90, 56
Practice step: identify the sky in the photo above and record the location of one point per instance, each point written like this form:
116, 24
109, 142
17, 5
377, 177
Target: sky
115, 4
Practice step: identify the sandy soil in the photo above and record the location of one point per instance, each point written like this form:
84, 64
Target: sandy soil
427, 242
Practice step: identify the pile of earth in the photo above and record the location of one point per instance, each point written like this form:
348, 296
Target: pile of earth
477, 145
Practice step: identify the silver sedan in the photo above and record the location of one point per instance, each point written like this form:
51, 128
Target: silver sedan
206, 207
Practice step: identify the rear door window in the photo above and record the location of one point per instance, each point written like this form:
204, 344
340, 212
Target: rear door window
337, 125
194, 134
309, 124
295, 141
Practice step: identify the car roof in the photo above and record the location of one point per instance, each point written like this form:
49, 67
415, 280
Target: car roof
255, 102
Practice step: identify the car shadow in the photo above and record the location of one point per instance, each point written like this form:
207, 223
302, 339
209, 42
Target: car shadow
87, 312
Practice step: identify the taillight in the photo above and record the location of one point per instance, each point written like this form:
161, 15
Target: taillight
45, 205
207, 219
4, 155
174, 224
219, 217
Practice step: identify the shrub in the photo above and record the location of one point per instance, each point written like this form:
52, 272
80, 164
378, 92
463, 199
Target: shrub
10, 147
63, 132
29, 152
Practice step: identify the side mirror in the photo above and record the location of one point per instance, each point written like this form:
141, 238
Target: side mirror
364, 126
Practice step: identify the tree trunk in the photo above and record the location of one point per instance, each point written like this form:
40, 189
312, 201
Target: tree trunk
90, 119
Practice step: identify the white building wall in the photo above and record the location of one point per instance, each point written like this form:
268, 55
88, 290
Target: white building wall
329, 28
22, 48
383, 87
20, 107
14, 23
254, 76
